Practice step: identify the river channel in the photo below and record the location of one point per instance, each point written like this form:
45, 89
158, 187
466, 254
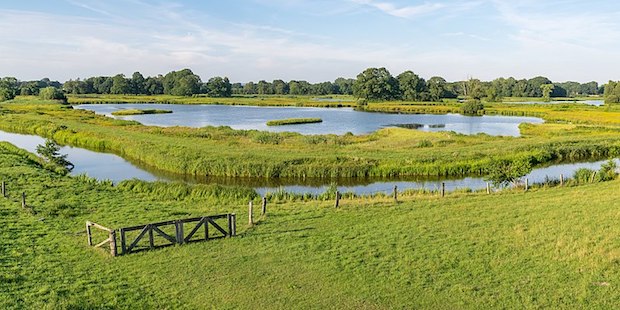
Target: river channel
112, 167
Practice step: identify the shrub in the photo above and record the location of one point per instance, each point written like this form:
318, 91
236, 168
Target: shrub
52, 93
472, 107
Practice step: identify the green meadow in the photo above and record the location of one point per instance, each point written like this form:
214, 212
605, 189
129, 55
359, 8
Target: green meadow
547, 248
572, 132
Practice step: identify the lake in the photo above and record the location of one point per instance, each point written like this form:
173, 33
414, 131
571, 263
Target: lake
112, 167
335, 120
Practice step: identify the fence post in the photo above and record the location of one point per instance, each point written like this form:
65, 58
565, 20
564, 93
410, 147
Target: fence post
443, 189
561, 179
395, 193
89, 234
337, 199
250, 212
527, 184
264, 207
123, 242
3, 189
113, 243
24, 200
232, 224
488, 188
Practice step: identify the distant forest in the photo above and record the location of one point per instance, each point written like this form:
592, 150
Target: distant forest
373, 84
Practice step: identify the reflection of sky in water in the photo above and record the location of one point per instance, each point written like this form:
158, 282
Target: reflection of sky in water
335, 121
109, 166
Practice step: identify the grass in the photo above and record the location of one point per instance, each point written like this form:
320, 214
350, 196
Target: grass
139, 112
293, 121
574, 132
548, 248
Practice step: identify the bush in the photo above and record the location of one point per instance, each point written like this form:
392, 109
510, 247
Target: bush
6, 94
472, 107
52, 93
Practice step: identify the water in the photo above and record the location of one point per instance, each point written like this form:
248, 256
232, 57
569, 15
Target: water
335, 121
102, 166
112, 167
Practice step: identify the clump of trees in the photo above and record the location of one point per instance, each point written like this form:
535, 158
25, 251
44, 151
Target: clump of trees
612, 92
52, 93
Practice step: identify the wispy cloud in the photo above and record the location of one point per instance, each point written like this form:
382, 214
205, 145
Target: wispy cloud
409, 11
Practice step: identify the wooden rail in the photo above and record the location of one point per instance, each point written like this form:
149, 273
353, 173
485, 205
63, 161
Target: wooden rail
111, 236
154, 230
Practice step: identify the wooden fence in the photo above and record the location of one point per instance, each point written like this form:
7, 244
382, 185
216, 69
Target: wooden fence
163, 234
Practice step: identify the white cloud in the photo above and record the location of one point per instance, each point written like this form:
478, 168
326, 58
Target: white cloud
402, 11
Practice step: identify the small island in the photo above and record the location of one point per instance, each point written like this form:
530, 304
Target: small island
294, 121
139, 112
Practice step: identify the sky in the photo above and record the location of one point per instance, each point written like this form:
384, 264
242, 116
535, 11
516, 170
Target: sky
313, 40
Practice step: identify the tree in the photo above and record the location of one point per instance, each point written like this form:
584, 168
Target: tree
154, 85
546, 90
534, 86
436, 88
264, 88
376, 84
219, 87
475, 89
411, 86
249, 88
181, 83
280, 87
50, 152
120, 85
344, 86
8, 88
505, 171
472, 107
137, 83
52, 93
612, 92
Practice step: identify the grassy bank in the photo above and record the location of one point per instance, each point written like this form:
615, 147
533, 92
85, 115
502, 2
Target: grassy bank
294, 121
548, 248
221, 151
139, 112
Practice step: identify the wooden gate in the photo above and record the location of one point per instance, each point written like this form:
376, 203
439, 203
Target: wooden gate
176, 232
167, 233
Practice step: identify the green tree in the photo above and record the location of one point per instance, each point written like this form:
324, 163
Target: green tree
504, 171
137, 83
412, 87
280, 87
219, 87
472, 107
120, 85
50, 152
52, 93
546, 90
8, 88
181, 83
534, 86
249, 88
344, 86
612, 92
264, 88
436, 88
376, 84
475, 89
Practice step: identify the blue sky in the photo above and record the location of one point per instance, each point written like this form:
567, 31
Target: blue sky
314, 40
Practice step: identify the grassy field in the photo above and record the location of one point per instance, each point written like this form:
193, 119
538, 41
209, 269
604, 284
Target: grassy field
293, 121
577, 132
548, 248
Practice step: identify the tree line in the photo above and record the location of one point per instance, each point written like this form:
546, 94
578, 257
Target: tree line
373, 84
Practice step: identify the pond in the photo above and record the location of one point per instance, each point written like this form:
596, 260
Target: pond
335, 120
109, 166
